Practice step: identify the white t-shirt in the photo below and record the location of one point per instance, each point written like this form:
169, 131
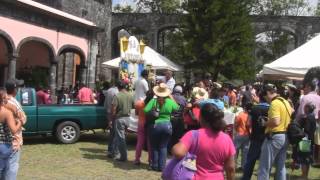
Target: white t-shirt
171, 83
141, 88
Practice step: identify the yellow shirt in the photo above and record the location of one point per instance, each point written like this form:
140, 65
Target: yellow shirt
279, 109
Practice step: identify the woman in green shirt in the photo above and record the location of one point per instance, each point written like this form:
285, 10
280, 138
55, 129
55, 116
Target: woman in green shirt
162, 129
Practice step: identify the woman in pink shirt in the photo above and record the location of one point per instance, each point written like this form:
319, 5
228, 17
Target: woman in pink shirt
215, 153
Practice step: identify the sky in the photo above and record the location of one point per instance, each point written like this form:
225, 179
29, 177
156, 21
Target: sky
114, 2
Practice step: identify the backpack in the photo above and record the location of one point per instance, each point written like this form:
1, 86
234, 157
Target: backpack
185, 168
295, 133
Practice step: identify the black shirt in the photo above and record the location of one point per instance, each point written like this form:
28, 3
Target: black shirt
246, 98
258, 113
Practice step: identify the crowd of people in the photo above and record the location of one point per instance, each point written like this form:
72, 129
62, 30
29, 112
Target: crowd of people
269, 121
169, 113
73, 95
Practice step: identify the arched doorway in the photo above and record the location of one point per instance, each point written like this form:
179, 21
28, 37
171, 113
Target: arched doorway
34, 62
71, 67
3, 61
6, 50
170, 42
271, 45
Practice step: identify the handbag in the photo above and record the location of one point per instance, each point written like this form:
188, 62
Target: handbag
305, 145
185, 168
152, 115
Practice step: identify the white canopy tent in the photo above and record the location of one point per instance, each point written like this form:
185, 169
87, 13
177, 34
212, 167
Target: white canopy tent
151, 57
295, 64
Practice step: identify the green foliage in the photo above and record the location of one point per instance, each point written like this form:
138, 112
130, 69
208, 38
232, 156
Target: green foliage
282, 7
317, 12
158, 6
219, 37
171, 44
122, 9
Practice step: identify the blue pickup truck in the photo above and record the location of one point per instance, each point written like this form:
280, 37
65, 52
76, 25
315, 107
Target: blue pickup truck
65, 122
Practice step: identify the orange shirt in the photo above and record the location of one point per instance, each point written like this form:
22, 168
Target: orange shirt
232, 98
241, 124
139, 105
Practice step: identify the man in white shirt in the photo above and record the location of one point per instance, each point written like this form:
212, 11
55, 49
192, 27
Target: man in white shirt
169, 80
141, 87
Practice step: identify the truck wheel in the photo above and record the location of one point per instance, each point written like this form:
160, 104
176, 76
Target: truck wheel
68, 132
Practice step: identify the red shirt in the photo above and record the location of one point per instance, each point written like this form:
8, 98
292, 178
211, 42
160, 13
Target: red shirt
85, 95
41, 97
187, 118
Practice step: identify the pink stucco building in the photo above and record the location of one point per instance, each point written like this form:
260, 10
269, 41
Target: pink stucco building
49, 46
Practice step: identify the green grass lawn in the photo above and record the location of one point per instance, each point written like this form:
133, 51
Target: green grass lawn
44, 158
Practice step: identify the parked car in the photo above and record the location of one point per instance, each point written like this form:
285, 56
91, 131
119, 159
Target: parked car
65, 122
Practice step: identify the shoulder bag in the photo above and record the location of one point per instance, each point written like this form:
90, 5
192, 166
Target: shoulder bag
185, 168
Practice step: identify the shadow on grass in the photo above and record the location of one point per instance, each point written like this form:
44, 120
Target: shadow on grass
101, 154
98, 138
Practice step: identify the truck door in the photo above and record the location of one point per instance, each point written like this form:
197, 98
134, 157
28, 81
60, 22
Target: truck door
29, 105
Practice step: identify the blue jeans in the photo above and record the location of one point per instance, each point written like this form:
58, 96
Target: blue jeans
160, 137
5, 152
112, 150
254, 155
274, 150
242, 143
13, 166
120, 137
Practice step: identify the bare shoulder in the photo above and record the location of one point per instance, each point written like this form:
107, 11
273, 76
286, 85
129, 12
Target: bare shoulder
5, 113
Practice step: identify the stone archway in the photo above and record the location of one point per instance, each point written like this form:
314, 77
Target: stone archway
71, 67
272, 44
35, 62
164, 36
6, 54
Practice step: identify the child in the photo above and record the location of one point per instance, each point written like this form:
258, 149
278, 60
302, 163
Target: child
308, 123
241, 139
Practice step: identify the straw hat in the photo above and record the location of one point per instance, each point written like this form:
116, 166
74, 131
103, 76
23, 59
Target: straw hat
200, 93
217, 85
161, 90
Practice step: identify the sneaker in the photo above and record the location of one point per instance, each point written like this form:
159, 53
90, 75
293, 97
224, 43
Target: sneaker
137, 163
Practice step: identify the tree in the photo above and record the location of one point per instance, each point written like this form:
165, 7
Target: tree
219, 37
158, 6
122, 8
317, 12
282, 7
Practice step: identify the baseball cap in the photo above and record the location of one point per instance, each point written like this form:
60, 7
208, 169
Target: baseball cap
178, 89
13, 83
268, 87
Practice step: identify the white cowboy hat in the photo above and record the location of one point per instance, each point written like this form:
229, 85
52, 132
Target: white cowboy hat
200, 93
161, 90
